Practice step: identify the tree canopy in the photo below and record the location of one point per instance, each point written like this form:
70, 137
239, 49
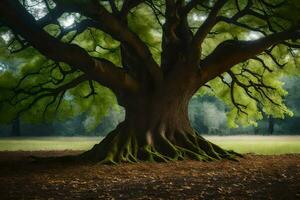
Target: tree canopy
153, 56
58, 58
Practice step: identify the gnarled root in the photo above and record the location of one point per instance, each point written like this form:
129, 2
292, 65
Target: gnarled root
120, 146
124, 145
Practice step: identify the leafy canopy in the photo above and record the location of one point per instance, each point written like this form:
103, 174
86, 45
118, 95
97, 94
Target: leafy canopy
249, 88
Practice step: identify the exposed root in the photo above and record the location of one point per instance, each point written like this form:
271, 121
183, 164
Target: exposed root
124, 147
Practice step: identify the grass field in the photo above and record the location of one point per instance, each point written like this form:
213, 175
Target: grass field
266, 145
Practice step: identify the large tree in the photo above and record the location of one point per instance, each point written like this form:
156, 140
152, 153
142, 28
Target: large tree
154, 56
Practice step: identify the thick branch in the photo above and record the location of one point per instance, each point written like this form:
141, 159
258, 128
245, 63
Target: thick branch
209, 23
51, 17
118, 30
177, 37
190, 5
231, 52
105, 72
128, 5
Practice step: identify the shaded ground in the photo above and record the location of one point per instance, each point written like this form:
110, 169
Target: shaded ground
255, 177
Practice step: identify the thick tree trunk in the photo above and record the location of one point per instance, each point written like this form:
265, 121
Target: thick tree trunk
155, 130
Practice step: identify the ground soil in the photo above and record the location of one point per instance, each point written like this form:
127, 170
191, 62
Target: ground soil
253, 177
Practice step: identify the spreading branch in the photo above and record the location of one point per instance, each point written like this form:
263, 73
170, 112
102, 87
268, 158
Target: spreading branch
43, 93
112, 25
208, 24
101, 70
232, 52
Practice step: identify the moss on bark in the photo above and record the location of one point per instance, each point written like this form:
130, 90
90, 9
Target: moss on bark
126, 147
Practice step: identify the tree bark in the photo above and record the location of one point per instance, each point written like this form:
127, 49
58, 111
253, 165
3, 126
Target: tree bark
271, 125
156, 128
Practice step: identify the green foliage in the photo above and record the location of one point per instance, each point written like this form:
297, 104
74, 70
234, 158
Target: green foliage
100, 45
254, 110
142, 21
284, 16
74, 101
273, 78
289, 11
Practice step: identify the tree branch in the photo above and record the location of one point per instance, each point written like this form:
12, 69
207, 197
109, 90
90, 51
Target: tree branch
48, 92
190, 5
128, 5
231, 52
208, 24
118, 30
106, 73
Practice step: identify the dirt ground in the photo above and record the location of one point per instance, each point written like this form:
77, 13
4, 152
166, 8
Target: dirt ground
254, 177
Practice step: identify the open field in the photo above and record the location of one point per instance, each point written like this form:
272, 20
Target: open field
265, 145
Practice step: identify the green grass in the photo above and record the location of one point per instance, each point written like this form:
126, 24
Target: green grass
267, 145
47, 143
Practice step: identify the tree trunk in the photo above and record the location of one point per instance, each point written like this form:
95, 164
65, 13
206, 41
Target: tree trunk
271, 125
155, 129
15, 130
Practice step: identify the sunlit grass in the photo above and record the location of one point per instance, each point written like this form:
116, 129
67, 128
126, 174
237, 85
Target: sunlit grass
267, 145
47, 143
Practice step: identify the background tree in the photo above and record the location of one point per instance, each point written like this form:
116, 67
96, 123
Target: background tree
15, 128
271, 125
154, 56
